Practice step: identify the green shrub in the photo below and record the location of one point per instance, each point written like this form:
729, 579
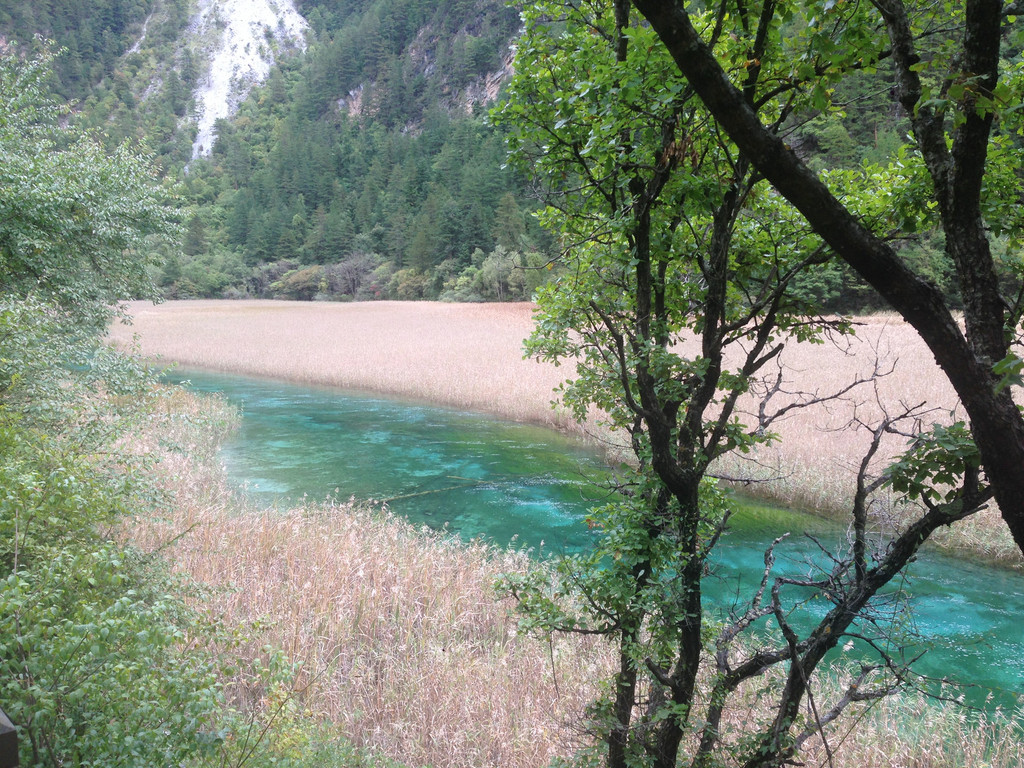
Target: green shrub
91, 640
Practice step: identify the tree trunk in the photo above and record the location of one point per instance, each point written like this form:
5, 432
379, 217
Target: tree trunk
967, 361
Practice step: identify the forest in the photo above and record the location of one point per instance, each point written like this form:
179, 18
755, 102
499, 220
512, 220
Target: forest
369, 167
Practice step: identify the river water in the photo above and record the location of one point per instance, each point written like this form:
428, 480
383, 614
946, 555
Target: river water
528, 486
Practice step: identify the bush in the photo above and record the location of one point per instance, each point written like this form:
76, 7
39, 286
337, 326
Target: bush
91, 642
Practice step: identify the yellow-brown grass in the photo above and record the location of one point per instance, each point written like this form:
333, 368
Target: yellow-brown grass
463, 355
813, 465
407, 651
470, 356
405, 648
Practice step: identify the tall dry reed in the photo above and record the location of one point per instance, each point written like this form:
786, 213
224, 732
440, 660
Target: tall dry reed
406, 650
404, 647
462, 355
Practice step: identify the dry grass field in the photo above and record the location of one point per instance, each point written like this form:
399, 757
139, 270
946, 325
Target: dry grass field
463, 355
404, 647
470, 356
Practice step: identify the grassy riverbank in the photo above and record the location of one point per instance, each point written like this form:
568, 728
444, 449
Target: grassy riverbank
470, 356
403, 649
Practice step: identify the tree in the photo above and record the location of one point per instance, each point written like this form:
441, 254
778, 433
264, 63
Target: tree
670, 232
101, 661
501, 275
73, 219
194, 242
509, 227
92, 666
963, 103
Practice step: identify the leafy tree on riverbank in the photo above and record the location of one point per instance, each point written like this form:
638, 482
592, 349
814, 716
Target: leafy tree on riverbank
90, 634
671, 231
101, 661
75, 219
959, 80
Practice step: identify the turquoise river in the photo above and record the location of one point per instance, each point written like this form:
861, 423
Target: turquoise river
528, 486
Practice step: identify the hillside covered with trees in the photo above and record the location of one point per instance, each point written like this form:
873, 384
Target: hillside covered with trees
368, 167
95, 34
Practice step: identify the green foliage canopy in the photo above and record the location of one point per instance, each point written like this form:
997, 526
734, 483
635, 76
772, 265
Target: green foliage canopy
93, 635
670, 235
74, 221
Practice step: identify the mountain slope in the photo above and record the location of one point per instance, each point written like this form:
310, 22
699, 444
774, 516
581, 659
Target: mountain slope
241, 39
365, 167
333, 147
95, 33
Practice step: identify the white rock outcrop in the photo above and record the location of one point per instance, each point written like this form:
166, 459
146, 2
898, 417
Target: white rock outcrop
241, 39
